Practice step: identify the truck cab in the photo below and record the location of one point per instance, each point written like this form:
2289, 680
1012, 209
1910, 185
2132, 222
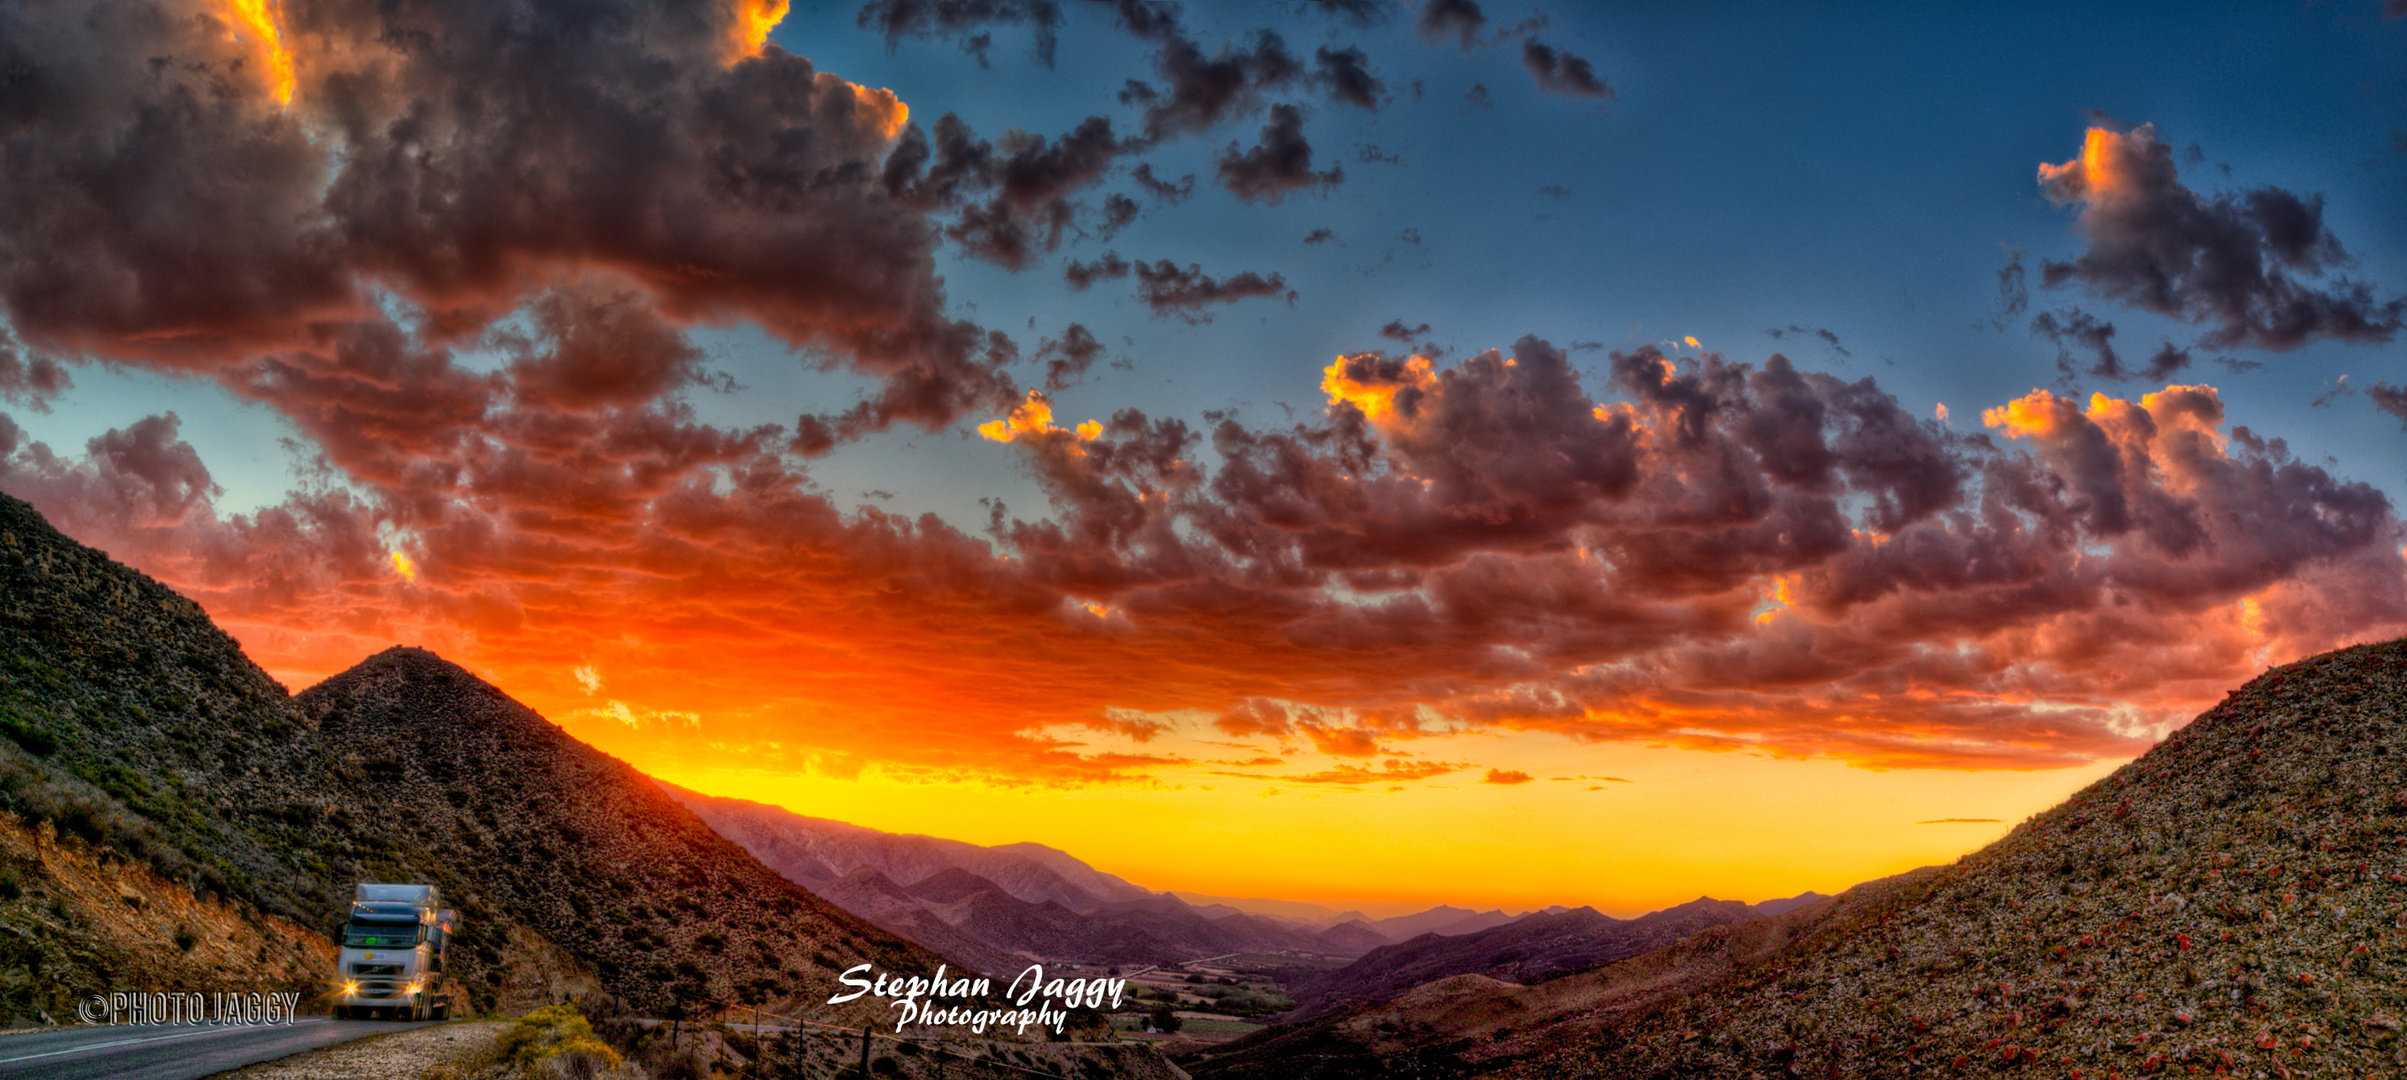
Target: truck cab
391, 963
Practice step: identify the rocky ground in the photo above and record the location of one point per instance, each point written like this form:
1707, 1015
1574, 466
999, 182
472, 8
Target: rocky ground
2233, 902
446, 1050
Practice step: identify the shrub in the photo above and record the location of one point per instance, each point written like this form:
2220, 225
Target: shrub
557, 1039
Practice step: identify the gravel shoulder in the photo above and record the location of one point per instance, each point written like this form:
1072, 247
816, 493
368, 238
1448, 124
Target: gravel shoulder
405, 1055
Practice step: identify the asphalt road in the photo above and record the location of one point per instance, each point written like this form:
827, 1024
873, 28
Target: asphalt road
171, 1051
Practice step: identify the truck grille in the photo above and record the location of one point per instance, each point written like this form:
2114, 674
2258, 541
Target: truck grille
376, 969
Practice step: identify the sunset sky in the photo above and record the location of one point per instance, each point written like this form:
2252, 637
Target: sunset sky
1363, 452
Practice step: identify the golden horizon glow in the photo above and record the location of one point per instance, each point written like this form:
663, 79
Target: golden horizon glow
254, 17
1730, 825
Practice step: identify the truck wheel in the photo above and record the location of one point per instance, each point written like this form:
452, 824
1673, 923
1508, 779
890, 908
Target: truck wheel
443, 1012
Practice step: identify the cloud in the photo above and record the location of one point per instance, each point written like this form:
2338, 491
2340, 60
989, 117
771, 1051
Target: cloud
2390, 399
1278, 166
1201, 91
432, 164
29, 379
1559, 71
1960, 821
1505, 776
1390, 772
1695, 553
1346, 74
966, 20
1690, 551
1395, 330
1068, 357
1320, 236
1457, 19
1169, 290
1162, 190
2245, 266
1084, 275
2013, 290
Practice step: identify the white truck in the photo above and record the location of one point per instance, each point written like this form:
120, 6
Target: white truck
391, 964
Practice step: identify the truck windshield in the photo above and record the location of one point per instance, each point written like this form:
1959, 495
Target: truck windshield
380, 935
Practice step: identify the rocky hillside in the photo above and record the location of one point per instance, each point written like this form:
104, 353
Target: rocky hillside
516, 818
136, 732
145, 751
2231, 901
1525, 950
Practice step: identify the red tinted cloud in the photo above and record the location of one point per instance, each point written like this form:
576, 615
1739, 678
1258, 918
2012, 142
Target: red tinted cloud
1717, 555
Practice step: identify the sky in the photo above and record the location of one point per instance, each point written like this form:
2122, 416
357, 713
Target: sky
1370, 453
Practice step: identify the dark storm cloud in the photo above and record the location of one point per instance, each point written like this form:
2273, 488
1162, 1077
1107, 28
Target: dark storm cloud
2242, 264
965, 20
1200, 91
1395, 330
1320, 236
1276, 167
436, 158
1457, 19
1560, 71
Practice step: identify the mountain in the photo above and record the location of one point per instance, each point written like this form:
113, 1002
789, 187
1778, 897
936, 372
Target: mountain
1775, 907
2229, 902
1525, 950
185, 824
1020, 903
1467, 1025
813, 851
1294, 911
516, 818
1442, 919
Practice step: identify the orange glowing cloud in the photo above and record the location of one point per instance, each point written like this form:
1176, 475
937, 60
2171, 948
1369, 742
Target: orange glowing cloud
1034, 417
258, 24
1370, 383
2097, 173
749, 27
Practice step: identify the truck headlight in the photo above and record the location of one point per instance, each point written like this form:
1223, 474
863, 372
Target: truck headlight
351, 986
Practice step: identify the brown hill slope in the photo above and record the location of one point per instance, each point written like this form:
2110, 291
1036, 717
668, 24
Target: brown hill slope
519, 818
2229, 902
133, 730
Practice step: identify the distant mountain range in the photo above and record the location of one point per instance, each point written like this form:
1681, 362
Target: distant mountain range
999, 908
1529, 949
